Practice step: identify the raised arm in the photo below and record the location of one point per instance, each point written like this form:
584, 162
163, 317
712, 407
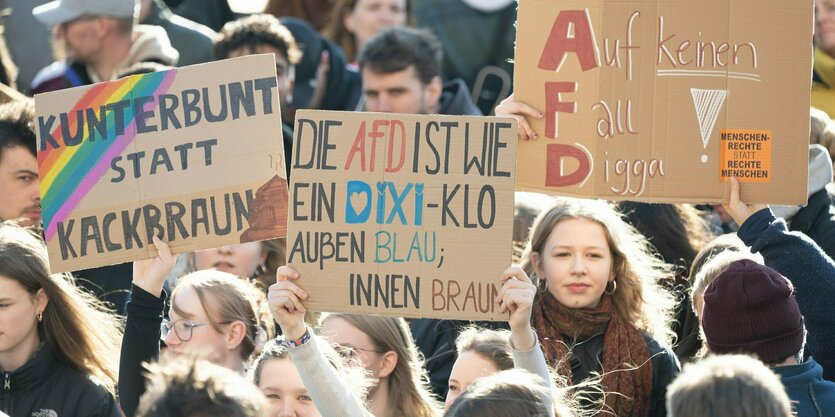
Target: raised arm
140, 342
333, 398
517, 297
801, 260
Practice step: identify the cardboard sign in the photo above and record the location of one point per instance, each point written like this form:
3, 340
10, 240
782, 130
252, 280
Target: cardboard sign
637, 96
402, 215
193, 155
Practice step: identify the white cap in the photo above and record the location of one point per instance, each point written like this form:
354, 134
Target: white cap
61, 11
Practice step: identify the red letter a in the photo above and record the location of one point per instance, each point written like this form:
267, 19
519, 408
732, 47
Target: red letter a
559, 42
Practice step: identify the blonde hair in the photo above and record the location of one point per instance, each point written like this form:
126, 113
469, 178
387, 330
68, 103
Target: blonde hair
639, 300
352, 374
490, 344
80, 330
409, 382
715, 266
225, 298
727, 385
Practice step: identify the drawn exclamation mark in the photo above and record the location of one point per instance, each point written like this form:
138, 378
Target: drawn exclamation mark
708, 103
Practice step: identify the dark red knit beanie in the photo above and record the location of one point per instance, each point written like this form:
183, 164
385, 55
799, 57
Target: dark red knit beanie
750, 308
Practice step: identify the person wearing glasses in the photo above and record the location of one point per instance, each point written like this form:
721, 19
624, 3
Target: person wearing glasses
58, 345
384, 347
214, 315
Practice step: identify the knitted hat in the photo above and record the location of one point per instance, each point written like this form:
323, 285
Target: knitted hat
750, 308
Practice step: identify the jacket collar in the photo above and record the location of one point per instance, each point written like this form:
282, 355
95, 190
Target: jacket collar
32, 373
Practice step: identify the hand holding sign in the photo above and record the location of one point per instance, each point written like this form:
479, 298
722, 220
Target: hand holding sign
150, 274
285, 301
737, 208
518, 110
517, 296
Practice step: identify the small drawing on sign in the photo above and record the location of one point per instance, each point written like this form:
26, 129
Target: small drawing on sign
708, 103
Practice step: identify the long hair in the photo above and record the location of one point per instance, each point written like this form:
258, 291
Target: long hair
409, 393
225, 298
677, 231
639, 300
338, 33
78, 328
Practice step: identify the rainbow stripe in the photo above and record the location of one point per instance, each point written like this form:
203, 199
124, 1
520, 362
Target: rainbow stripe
69, 172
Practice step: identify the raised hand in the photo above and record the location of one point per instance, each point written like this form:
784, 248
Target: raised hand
738, 209
517, 297
518, 110
285, 301
150, 274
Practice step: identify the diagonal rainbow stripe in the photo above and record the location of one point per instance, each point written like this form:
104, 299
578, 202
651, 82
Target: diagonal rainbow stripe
71, 171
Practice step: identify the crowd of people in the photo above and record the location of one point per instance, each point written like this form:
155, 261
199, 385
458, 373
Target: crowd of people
605, 302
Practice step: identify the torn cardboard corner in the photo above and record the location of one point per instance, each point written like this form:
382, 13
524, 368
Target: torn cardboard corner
189, 155
656, 101
402, 215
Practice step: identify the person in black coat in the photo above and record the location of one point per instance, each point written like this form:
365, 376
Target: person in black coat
58, 347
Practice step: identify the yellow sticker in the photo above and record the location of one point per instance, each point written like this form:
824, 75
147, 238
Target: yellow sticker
745, 154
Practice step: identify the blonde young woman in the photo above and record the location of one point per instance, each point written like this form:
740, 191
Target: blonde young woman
58, 345
600, 304
384, 347
214, 315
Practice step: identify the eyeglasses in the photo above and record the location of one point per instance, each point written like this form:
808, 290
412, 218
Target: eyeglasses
350, 352
183, 328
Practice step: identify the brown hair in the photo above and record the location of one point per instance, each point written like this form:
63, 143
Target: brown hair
352, 374
727, 385
186, 387
78, 328
225, 298
508, 393
640, 300
255, 30
408, 382
339, 34
490, 344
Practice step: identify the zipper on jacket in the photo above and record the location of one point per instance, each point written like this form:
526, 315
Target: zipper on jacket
7, 385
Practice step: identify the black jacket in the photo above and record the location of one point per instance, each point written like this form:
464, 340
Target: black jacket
817, 220
456, 100
586, 358
139, 344
45, 386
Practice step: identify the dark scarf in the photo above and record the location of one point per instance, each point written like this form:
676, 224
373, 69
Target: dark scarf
628, 393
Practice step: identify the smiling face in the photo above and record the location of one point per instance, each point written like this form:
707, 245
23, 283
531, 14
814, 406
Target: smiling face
576, 262
241, 260
281, 384
825, 25
19, 185
206, 341
469, 367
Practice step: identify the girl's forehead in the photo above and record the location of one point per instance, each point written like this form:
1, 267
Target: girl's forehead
187, 304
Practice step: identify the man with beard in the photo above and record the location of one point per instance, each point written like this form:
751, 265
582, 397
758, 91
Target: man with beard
100, 40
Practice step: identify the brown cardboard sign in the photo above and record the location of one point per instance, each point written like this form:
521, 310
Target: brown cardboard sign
193, 155
636, 95
403, 215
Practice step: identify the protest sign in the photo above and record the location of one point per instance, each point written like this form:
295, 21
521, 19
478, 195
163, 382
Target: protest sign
193, 155
404, 215
662, 101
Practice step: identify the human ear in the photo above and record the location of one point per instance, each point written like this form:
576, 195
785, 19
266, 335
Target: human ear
536, 261
41, 300
387, 363
433, 92
236, 334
